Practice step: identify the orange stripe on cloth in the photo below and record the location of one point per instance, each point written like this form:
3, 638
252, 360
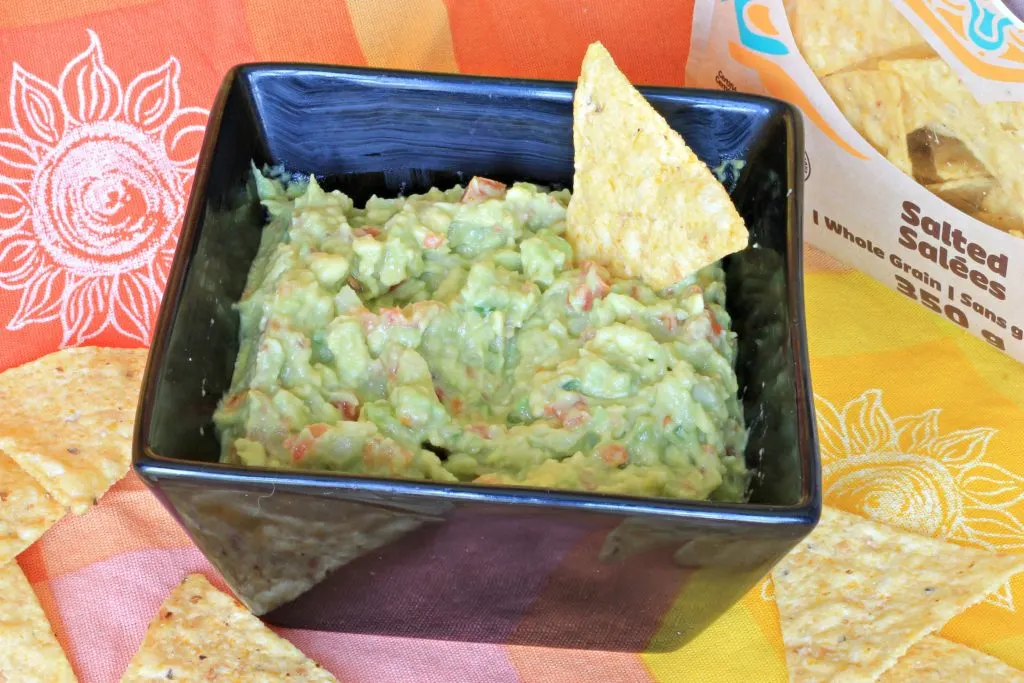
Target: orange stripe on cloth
544, 665
303, 31
127, 518
547, 38
414, 34
17, 13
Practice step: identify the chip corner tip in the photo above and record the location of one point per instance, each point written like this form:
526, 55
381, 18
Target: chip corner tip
597, 53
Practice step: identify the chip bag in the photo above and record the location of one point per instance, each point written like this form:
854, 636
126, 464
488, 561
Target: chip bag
914, 138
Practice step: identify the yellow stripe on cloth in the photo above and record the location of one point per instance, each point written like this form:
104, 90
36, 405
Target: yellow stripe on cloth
743, 645
414, 34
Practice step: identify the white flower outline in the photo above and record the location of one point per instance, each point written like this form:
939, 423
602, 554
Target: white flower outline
92, 184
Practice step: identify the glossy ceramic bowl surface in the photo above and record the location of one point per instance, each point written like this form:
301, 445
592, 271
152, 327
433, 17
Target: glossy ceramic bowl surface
464, 562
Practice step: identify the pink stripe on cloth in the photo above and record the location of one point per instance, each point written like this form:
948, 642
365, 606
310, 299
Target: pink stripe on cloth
379, 659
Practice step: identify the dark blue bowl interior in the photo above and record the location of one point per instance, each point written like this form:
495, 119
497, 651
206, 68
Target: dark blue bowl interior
464, 562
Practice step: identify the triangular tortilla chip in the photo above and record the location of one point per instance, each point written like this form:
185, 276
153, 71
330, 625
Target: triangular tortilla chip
872, 101
643, 204
28, 649
26, 510
855, 595
937, 659
68, 418
202, 634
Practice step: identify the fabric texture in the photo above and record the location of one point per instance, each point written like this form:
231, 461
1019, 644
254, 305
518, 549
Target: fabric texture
99, 134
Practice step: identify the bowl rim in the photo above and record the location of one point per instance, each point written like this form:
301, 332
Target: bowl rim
153, 467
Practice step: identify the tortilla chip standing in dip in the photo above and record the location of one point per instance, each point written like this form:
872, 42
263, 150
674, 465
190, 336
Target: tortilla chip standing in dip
643, 204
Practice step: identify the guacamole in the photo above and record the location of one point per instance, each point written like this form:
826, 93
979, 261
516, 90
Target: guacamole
451, 336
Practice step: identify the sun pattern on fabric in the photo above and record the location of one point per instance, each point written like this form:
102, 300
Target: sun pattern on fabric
92, 182
905, 471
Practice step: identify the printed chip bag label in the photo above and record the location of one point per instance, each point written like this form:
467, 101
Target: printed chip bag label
914, 124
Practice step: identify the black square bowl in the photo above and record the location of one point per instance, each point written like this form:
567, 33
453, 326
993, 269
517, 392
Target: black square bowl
465, 562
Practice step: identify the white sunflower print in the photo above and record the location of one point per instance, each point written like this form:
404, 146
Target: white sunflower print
92, 183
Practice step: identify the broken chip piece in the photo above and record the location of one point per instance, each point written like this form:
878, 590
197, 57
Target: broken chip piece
26, 510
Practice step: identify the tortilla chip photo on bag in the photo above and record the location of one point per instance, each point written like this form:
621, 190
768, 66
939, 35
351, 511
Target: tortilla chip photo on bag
911, 106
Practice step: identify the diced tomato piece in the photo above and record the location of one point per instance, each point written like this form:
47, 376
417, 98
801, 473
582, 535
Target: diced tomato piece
371, 230
592, 286
299, 448
586, 297
666, 421
615, 454
574, 419
571, 417
481, 429
456, 406
236, 400
371, 453
317, 430
482, 188
432, 240
377, 454
715, 327
392, 316
349, 410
